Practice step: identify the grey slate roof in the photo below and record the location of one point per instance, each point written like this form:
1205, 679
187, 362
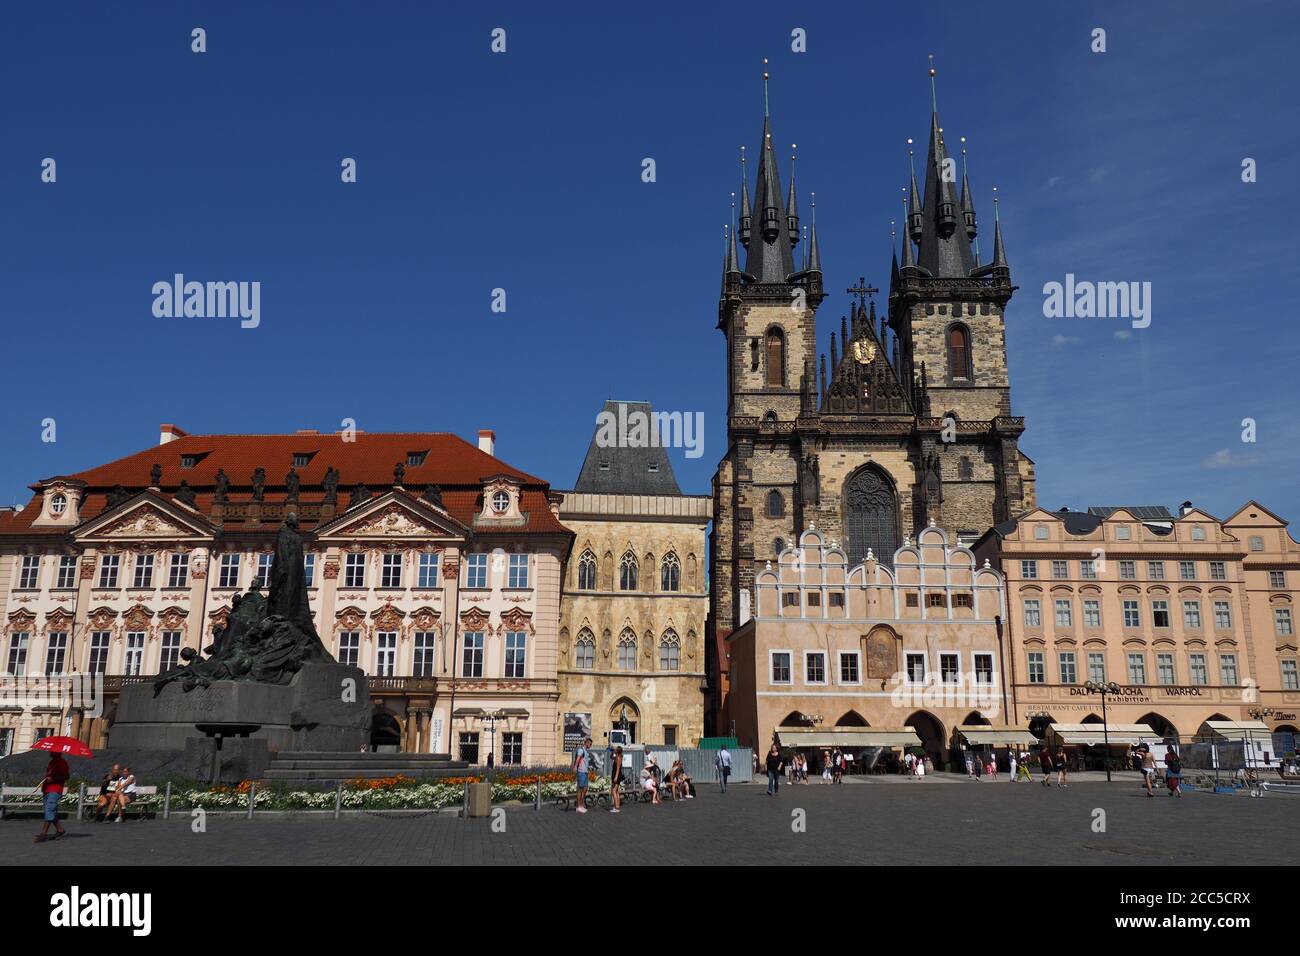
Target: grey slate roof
769, 260
643, 470
1141, 512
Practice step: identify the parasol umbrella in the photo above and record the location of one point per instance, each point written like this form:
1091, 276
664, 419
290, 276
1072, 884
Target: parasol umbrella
68, 746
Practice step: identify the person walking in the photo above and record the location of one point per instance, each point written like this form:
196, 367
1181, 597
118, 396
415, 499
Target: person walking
1173, 773
616, 779
774, 768
1148, 769
1045, 763
52, 784
581, 766
970, 764
1011, 765
723, 764
1060, 765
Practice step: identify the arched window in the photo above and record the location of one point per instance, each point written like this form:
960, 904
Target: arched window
670, 573
587, 571
778, 545
958, 352
670, 651
871, 509
627, 650
775, 358
627, 569
775, 504
584, 650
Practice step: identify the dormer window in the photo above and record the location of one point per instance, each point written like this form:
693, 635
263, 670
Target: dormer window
189, 461
501, 502
653, 468
604, 466
415, 459
301, 459
58, 504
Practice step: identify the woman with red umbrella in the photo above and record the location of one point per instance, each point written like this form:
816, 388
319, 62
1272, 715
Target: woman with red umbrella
56, 778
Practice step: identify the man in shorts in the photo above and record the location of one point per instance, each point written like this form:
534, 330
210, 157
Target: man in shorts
581, 766
1148, 769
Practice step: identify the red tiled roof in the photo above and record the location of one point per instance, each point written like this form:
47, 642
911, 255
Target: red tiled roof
452, 463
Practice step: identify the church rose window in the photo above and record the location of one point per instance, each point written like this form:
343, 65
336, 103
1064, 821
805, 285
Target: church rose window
872, 513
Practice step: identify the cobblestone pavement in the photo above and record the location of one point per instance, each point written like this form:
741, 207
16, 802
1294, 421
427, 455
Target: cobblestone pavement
905, 824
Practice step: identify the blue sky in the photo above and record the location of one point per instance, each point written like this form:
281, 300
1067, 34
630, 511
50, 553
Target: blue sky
522, 171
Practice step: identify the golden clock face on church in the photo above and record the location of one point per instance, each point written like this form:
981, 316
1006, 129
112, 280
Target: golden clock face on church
864, 352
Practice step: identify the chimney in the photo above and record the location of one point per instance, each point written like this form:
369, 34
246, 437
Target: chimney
168, 433
487, 441
1184, 509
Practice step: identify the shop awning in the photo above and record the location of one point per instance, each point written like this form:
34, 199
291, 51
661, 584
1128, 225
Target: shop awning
1238, 729
1091, 735
985, 735
849, 737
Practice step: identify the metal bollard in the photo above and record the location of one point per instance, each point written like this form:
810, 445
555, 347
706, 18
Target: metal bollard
81, 800
537, 803
252, 797
464, 801
167, 802
338, 801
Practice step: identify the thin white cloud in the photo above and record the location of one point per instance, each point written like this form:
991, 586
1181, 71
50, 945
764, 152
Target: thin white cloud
1061, 341
1224, 458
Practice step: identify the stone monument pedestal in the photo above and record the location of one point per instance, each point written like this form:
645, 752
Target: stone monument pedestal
325, 706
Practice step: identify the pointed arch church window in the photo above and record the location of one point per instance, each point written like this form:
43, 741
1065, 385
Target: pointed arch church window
871, 512
671, 573
627, 572
587, 571
958, 352
775, 358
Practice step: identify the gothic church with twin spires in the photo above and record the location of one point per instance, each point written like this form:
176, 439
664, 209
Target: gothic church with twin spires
909, 423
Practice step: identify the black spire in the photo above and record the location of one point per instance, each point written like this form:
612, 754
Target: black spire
770, 252
814, 252
967, 202
908, 264
746, 217
944, 249
792, 203
1000, 267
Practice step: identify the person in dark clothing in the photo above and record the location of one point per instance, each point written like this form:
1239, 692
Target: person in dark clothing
56, 778
774, 767
1045, 762
1173, 773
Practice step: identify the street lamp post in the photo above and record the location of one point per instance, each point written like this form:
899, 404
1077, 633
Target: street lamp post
491, 718
1103, 688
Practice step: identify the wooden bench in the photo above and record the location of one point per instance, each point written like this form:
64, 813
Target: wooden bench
23, 799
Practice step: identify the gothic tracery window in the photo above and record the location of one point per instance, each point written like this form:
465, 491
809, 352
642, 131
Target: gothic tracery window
670, 573
585, 650
871, 511
775, 504
587, 571
627, 650
627, 572
670, 651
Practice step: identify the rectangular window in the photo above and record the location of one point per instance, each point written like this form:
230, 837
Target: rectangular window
1228, 669
814, 599
228, 574
516, 654
849, 668
1277, 580
837, 599
1064, 614
354, 570
67, 573
1282, 621
56, 653
916, 668
1222, 615
143, 571
790, 599
1128, 570
1091, 613
814, 668
134, 661
385, 653
30, 573
949, 667
1137, 669
912, 599
170, 654
390, 573
518, 571
1037, 669
429, 569
1097, 667
1187, 570
962, 600
512, 748
1156, 570
1290, 679
99, 652
1088, 570
425, 641
1068, 672
472, 655
108, 568
1123, 533
178, 570
935, 600
18, 653
263, 577
476, 571
1060, 569
1218, 571
780, 667
670, 735
1033, 617
1028, 569
1159, 613
984, 668
349, 647
1165, 668
1200, 672
309, 569
1132, 616
469, 746
1192, 615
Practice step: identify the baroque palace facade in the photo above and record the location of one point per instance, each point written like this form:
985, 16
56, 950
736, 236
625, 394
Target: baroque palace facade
431, 564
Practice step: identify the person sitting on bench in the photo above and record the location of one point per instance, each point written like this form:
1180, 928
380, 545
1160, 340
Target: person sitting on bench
107, 788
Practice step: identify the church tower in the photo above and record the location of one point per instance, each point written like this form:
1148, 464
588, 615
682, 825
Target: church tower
767, 312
